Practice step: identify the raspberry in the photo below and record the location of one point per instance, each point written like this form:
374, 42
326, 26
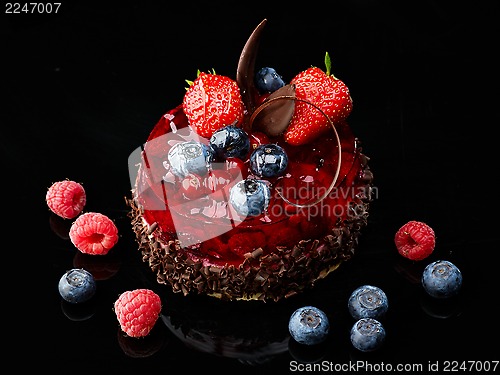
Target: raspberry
93, 233
137, 311
415, 240
66, 198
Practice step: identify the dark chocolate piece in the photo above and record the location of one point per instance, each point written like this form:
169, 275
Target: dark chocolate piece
246, 68
274, 115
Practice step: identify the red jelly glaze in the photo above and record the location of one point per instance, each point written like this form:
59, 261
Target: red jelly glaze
310, 172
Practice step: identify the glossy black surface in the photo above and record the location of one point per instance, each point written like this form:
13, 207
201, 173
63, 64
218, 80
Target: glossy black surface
82, 89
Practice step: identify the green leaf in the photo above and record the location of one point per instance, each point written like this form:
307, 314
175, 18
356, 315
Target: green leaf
328, 64
189, 82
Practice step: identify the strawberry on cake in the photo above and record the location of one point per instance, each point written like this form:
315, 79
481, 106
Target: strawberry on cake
251, 188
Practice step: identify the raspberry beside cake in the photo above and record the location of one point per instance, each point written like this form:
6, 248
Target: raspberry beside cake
249, 191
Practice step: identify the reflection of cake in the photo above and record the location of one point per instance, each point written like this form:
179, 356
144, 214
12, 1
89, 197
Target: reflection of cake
202, 324
239, 224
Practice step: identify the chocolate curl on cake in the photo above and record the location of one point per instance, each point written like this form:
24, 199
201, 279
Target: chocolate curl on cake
274, 116
271, 102
246, 68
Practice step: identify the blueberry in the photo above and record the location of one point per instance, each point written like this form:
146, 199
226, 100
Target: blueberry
269, 160
441, 279
190, 157
250, 197
230, 142
77, 285
367, 301
267, 80
367, 334
309, 325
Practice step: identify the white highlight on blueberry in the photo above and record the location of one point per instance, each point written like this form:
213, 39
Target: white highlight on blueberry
250, 197
269, 160
190, 157
230, 141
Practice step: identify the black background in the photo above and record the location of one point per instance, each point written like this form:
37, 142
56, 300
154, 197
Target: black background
83, 88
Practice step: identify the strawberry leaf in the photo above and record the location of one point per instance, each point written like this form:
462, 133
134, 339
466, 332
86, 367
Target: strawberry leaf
328, 64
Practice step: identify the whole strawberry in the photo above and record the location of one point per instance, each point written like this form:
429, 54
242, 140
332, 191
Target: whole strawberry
324, 91
137, 311
211, 102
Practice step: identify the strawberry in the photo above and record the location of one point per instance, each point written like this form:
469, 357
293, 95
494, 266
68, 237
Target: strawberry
211, 102
323, 90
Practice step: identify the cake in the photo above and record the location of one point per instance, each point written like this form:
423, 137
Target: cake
259, 203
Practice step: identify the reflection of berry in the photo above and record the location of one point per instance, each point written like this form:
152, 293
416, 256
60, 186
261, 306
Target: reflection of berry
137, 311
307, 353
93, 233
78, 312
103, 267
141, 348
66, 198
60, 226
415, 240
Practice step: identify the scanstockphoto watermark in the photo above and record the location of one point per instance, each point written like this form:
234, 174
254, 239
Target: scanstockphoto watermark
356, 366
464, 366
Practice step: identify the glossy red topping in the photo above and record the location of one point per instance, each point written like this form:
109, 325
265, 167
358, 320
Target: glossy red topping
183, 210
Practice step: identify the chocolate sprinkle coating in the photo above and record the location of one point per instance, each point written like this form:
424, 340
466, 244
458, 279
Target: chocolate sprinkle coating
279, 274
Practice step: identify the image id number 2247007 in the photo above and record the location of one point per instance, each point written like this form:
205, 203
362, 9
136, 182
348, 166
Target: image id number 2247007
32, 8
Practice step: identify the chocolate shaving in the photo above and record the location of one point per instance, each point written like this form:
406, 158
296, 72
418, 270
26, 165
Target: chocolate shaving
152, 228
257, 253
275, 115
